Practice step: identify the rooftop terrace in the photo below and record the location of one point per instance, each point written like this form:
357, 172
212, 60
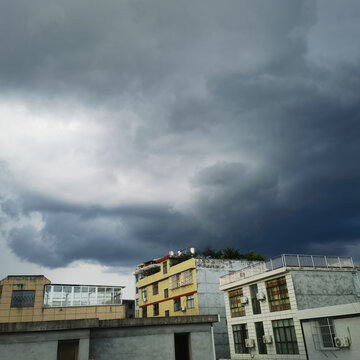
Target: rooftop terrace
289, 260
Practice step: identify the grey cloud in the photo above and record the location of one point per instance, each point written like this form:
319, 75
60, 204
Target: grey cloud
230, 84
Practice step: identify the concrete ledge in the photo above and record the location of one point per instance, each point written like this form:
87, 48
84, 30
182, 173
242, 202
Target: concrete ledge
48, 325
170, 320
96, 323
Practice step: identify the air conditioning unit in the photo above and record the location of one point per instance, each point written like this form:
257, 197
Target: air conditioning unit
244, 300
249, 343
342, 342
260, 296
182, 308
267, 339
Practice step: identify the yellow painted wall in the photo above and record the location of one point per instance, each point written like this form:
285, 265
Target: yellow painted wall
163, 283
39, 313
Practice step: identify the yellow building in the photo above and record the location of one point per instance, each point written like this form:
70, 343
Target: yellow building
27, 298
167, 287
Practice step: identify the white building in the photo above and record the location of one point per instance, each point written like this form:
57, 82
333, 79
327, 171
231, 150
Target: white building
294, 307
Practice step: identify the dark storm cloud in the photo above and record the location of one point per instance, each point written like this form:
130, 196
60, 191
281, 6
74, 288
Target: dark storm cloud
229, 92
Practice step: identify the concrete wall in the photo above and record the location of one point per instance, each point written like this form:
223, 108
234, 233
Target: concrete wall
344, 327
41, 345
149, 343
211, 298
318, 288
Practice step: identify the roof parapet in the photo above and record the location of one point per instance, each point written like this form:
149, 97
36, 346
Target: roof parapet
289, 260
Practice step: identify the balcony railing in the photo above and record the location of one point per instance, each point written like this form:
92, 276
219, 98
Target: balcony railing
290, 260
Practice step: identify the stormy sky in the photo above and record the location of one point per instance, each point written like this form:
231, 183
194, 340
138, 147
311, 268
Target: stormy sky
130, 128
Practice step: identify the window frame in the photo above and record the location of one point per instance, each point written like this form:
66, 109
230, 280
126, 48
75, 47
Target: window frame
234, 302
259, 331
15, 303
165, 267
155, 288
278, 294
177, 304
156, 309
190, 299
285, 337
240, 334
327, 330
256, 307
166, 293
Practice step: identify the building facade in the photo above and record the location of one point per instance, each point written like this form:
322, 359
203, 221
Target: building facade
173, 338
33, 298
184, 285
281, 309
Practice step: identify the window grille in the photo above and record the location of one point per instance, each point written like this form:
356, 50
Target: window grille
22, 298
323, 333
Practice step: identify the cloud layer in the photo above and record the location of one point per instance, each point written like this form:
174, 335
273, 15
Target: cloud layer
128, 129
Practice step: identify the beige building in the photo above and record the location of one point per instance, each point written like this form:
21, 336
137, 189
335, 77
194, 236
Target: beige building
27, 298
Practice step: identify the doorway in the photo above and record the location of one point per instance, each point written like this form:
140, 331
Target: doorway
68, 350
182, 348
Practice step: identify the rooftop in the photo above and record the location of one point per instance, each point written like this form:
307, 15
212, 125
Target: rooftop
289, 260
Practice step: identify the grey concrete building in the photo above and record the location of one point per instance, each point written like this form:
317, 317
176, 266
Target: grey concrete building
294, 307
174, 338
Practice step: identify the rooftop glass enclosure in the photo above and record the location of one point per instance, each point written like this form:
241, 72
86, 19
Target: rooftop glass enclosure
76, 295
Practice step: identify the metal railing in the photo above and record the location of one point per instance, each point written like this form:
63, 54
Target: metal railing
290, 260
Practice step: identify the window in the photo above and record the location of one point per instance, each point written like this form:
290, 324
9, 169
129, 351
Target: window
177, 304
136, 290
156, 309
0, 290
186, 278
144, 312
175, 281
190, 303
240, 334
278, 295
137, 302
254, 301
236, 308
155, 289
327, 332
259, 328
22, 298
167, 313
165, 267
285, 338
166, 293
144, 294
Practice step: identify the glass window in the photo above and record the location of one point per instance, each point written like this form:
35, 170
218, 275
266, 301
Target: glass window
259, 328
177, 304
155, 289
236, 308
254, 301
22, 298
190, 303
327, 332
144, 294
165, 267
156, 309
278, 295
144, 312
167, 313
285, 338
240, 334
166, 293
